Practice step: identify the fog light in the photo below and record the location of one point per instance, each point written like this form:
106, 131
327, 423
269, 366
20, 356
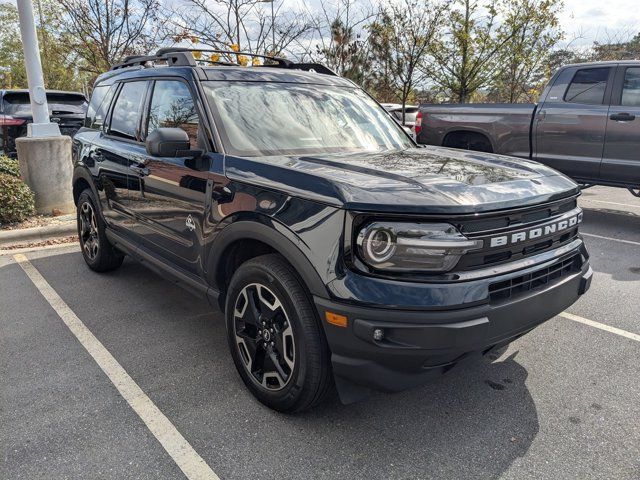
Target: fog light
378, 334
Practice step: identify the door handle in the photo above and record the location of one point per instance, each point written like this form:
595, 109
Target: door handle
541, 115
140, 170
622, 117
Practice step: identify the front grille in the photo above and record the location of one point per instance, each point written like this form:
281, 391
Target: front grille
521, 222
518, 286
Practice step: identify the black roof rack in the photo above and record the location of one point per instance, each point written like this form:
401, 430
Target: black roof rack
178, 56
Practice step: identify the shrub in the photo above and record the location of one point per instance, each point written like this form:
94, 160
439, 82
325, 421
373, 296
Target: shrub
9, 166
16, 199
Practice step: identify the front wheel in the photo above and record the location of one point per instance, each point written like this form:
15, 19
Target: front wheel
276, 342
97, 251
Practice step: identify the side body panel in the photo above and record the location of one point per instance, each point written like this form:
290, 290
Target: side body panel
569, 136
621, 158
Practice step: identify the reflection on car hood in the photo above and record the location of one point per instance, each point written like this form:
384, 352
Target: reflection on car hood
420, 180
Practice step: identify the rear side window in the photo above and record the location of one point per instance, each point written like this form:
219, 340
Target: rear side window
631, 88
172, 107
99, 106
125, 119
588, 86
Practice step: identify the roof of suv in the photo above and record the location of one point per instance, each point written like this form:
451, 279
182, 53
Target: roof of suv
228, 73
180, 62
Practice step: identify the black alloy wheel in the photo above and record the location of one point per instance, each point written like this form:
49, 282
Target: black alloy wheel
264, 337
97, 251
275, 337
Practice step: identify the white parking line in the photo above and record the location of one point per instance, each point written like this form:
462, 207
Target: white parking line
601, 326
191, 464
630, 242
610, 203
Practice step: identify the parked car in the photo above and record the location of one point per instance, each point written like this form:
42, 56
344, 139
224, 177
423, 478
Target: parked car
338, 251
586, 125
410, 114
68, 109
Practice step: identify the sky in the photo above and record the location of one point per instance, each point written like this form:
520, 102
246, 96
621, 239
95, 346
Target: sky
587, 20
583, 20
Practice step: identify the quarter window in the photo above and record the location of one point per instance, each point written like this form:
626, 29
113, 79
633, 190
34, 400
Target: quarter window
99, 105
125, 119
172, 107
631, 88
588, 86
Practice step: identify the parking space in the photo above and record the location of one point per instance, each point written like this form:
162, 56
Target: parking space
561, 402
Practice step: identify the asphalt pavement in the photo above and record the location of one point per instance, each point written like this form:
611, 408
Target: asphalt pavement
561, 402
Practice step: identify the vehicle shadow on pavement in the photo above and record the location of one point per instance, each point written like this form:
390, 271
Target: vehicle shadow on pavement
474, 422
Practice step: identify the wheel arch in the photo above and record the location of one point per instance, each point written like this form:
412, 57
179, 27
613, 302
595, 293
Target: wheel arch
245, 239
81, 181
461, 133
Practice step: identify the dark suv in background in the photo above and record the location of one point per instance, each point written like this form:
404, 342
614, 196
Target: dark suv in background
67, 109
339, 252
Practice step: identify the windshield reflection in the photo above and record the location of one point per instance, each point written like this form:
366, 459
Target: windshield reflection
260, 119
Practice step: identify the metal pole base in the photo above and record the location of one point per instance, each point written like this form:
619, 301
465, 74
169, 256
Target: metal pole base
43, 130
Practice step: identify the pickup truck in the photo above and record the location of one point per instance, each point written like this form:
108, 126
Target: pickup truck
586, 125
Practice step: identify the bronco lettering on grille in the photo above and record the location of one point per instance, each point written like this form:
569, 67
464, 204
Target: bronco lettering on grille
536, 232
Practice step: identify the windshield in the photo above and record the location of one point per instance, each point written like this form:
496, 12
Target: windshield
294, 119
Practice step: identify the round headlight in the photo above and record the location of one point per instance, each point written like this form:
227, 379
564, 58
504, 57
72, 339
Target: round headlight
378, 245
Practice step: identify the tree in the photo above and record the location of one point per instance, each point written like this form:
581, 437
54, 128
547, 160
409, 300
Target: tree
616, 47
525, 57
340, 40
103, 32
401, 38
239, 25
465, 59
59, 62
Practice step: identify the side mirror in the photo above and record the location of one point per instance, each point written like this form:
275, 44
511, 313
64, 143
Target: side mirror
167, 142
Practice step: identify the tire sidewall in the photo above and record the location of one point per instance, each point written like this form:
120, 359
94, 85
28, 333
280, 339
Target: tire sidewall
87, 196
285, 398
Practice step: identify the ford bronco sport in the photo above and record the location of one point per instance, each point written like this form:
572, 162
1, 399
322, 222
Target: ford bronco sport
340, 252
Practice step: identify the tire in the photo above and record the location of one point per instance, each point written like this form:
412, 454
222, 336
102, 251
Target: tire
97, 251
284, 362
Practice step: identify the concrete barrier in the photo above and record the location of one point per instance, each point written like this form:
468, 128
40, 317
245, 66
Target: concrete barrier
46, 166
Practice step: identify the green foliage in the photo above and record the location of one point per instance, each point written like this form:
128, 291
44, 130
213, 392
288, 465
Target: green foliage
525, 58
60, 68
9, 166
16, 199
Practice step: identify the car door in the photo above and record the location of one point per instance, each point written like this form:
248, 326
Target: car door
170, 197
570, 125
115, 143
621, 158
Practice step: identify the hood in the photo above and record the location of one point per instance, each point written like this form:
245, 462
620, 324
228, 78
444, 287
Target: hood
420, 180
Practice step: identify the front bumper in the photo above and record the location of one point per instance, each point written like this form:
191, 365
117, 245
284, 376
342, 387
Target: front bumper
421, 344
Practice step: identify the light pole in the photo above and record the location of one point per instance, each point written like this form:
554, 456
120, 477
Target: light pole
41, 126
44, 154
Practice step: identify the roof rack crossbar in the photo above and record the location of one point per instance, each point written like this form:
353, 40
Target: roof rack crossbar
282, 62
179, 56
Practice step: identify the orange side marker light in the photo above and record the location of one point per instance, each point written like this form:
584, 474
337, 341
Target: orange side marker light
336, 319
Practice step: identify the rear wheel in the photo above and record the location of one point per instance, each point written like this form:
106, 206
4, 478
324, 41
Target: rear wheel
276, 342
97, 251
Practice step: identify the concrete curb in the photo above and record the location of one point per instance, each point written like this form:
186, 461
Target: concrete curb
9, 238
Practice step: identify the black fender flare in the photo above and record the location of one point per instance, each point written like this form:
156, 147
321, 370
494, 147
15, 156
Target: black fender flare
273, 234
82, 173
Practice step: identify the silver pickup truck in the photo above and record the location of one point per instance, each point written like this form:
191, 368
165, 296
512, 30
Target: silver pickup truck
586, 125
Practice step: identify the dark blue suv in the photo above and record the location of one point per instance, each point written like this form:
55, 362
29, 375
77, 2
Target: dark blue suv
340, 252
